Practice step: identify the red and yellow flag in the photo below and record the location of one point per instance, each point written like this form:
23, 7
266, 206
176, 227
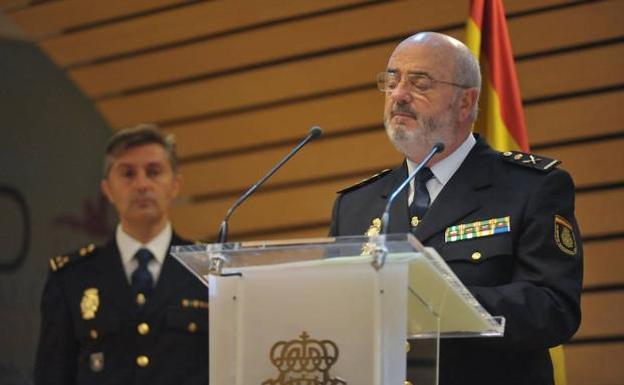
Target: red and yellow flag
501, 119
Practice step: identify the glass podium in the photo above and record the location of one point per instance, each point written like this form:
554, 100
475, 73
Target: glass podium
330, 310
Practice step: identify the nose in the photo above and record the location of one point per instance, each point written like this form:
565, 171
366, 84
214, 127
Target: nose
142, 182
402, 93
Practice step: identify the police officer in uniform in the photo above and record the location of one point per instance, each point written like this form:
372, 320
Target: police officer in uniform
504, 222
127, 312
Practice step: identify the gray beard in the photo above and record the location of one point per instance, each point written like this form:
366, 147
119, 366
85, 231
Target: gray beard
405, 140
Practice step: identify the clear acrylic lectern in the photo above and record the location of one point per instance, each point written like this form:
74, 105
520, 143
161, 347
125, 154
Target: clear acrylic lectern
329, 310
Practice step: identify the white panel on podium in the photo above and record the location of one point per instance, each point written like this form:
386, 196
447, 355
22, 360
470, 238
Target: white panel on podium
336, 310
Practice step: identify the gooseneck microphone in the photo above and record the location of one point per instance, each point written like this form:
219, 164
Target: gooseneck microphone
385, 218
314, 133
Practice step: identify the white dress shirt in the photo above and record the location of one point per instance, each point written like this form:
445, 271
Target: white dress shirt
158, 246
442, 171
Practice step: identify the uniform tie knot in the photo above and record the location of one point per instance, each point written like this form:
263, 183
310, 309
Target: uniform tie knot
143, 256
142, 280
424, 175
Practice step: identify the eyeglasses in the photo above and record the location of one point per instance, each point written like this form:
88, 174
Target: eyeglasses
418, 83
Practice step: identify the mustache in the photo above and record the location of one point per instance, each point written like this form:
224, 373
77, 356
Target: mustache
403, 109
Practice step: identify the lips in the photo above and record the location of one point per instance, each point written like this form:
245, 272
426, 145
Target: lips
143, 201
404, 115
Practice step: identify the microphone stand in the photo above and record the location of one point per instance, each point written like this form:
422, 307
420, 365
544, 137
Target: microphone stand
381, 251
314, 133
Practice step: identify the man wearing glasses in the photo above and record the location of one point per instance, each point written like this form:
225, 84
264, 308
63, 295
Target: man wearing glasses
504, 222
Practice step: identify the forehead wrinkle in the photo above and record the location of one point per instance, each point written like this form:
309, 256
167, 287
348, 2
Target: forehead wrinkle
409, 72
430, 51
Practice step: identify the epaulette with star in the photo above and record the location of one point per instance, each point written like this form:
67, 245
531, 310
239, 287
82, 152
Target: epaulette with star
60, 261
365, 181
537, 162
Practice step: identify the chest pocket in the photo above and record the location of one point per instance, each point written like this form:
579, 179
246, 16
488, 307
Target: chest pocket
486, 261
478, 250
97, 328
188, 320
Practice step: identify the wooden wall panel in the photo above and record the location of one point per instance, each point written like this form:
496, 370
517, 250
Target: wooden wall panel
247, 48
595, 364
604, 263
581, 160
234, 173
275, 209
250, 88
574, 118
289, 122
601, 311
54, 17
562, 28
329, 31
572, 71
600, 212
12, 5
185, 23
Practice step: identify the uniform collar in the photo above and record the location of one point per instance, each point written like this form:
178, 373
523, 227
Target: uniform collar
446, 168
158, 246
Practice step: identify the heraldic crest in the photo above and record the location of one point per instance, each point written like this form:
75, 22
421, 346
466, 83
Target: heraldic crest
304, 361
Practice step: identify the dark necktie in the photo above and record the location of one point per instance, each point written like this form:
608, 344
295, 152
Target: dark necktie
421, 200
142, 280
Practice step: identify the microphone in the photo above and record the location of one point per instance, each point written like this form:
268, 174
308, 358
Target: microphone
385, 218
314, 133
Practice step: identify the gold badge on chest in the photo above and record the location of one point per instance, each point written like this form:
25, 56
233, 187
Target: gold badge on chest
375, 228
373, 231
89, 303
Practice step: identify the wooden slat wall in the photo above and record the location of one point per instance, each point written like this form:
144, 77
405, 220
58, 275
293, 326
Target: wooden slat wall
238, 82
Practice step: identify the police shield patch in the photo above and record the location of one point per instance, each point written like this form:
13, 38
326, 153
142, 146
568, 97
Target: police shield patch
564, 236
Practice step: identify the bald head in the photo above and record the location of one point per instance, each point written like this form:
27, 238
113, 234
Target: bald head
446, 49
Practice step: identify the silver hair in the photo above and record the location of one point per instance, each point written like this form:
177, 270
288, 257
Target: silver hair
468, 72
141, 134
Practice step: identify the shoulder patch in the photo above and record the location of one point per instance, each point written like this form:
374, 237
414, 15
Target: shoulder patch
364, 182
536, 162
564, 236
60, 261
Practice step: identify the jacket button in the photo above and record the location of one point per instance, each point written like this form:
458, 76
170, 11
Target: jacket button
476, 256
192, 327
143, 328
142, 361
93, 334
140, 299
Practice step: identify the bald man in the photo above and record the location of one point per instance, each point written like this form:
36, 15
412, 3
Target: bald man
519, 250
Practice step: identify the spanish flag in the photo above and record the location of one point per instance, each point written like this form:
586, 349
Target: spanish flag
501, 119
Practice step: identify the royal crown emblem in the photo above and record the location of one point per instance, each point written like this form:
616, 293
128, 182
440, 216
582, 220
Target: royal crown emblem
304, 361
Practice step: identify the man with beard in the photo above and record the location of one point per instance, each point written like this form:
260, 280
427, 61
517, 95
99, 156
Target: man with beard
503, 222
127, 312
